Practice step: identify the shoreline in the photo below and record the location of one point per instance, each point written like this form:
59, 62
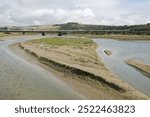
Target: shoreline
117, 37
60, 66
126, 92
139, 65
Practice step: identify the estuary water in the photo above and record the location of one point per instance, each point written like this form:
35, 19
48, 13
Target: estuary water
123, 50
19, 79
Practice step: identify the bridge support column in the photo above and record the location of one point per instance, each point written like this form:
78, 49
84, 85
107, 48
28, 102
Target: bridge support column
43, 33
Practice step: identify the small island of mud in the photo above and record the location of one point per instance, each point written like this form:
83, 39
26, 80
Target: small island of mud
139, 65
77, 63
108, 52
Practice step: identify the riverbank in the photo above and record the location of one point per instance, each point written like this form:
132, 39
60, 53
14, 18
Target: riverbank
139, 65
78, 64
5, 36
14, 36
117, 37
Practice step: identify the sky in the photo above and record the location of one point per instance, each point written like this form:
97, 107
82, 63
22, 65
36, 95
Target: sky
47, 12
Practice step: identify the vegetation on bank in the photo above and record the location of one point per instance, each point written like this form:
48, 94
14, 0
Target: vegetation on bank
116, 36
78, 26
65, 41
6, 34
106, 29
126, 37
3, 34
9, 34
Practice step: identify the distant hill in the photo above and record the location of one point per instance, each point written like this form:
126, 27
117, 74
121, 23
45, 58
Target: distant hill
77, 26
105, 29
45, 28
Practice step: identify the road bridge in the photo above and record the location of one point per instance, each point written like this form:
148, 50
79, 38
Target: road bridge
62, 32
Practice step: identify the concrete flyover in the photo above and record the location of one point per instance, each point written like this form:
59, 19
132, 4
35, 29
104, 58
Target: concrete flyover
62, 32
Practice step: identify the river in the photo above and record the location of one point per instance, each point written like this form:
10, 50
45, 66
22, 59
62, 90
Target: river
123, 50
20, 79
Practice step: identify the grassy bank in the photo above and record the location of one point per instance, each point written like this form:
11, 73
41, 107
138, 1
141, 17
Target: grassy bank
117, 36
65, 41
127, 37
4, 36
9, 34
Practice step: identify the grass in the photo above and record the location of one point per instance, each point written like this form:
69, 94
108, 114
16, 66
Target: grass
117, 36
9, 34
65, 41
2, 34
127, 37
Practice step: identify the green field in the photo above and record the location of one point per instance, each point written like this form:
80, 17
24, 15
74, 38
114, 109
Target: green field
65, 41
115, 36
3, 34
126, 37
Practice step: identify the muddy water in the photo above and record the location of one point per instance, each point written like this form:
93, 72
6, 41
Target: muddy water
123, 50
19, 79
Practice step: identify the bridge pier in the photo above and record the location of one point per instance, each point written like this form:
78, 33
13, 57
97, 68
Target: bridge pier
59, 33
23, 33
43, 33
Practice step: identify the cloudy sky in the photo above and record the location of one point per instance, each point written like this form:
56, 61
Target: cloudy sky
104, 12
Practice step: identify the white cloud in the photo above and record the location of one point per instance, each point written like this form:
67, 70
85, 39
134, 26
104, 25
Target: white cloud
109, 12
87, 12
43, 12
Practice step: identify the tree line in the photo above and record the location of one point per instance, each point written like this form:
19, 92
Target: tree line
125, 29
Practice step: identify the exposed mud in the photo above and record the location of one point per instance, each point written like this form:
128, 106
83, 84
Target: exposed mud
114, 88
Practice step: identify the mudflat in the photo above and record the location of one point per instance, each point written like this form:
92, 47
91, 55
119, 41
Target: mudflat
108, 52
139, 65
76, 61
